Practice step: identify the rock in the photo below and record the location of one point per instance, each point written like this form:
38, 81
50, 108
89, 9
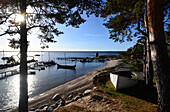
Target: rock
96, 98
60, 103
56, 104
87, 92
53, 106
32, 109
76, 98
38, 110
80, 94
56, 97
42, 106
69, 101
70, 97
63, 102
45, 109
50, 109
94, 88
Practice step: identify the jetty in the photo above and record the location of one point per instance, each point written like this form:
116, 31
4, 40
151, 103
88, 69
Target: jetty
8, 72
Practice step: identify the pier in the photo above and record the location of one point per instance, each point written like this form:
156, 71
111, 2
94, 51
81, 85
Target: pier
8, 72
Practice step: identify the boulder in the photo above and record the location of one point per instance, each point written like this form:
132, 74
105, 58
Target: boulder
94, 88
56, 97
70, 97
44, 109
32, 109
80, 94
42, 106
87, 92
38, 110
76, 98
50, 109
96, 98
60, 103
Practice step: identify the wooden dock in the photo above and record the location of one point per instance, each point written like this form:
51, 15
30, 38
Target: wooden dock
8, 72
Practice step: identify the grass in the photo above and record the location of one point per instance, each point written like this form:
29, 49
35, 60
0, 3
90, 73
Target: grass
72, 108
137, 99
141, 98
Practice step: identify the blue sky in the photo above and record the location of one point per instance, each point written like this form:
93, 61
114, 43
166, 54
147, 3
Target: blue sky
91, 36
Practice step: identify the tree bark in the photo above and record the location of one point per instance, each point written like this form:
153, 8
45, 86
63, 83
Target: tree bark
144, 60
159, 53
148, 63
23, 98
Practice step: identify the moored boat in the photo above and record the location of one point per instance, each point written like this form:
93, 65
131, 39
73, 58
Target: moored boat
66, 66
123, 79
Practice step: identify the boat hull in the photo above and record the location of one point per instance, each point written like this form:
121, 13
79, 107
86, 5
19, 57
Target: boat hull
122, 82
66, 66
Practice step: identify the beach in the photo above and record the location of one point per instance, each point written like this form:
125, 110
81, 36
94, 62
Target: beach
75, 86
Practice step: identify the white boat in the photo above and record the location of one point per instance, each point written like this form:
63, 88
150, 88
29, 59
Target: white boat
123, 79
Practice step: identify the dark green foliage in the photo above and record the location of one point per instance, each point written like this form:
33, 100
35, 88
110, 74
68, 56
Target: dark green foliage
134, 55
123, 18
45, 15
9, 59
14, 43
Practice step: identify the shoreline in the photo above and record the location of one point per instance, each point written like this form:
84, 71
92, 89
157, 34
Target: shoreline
75, 86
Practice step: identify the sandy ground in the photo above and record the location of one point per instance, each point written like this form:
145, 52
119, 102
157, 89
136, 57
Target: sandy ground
75, 86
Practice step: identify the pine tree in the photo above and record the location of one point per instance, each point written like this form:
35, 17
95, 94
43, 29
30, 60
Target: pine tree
126, 21
45, 15
125, 16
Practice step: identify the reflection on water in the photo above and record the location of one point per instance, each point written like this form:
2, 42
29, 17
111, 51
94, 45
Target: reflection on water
45, 79
9, 93
40, 82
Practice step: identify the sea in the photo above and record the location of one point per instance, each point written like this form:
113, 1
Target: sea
47, 79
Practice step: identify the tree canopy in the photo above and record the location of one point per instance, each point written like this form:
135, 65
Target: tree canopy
45, 15
126, 18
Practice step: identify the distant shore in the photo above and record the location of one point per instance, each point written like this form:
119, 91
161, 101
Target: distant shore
77, 85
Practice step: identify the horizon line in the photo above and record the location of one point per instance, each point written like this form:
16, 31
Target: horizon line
70, 51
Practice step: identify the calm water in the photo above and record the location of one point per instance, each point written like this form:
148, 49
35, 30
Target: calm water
44, 80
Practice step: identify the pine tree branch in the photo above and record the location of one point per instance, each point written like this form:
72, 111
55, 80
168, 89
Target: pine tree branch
143, 33
35, 26
9, 32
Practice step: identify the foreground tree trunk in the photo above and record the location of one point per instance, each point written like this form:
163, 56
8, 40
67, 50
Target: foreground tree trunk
148, 68
159, 53
23, 98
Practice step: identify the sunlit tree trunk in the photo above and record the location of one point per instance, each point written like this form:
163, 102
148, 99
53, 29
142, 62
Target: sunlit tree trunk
23, 98
159, 53
148, 68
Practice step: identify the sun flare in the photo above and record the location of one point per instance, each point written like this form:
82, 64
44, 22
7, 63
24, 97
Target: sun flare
19, 18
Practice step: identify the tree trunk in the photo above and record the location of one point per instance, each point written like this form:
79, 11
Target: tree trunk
144, 60
159, 53
148, 67
23, 98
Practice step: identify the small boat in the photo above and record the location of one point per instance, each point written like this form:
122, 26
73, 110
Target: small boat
86, 60
66, 66
31, 72
50, 62
123, 79
37, 55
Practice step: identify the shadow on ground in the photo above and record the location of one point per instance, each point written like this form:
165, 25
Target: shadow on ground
142, 91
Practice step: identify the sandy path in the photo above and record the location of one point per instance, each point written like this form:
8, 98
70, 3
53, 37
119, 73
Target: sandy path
77, 85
